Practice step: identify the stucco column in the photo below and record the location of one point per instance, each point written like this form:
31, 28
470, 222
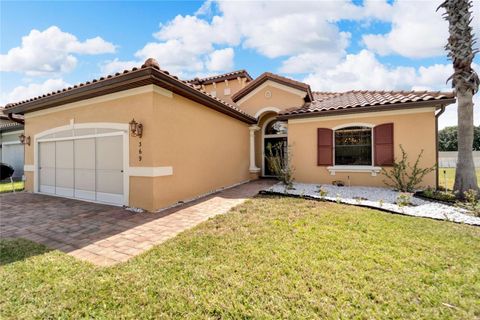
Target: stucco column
253, 168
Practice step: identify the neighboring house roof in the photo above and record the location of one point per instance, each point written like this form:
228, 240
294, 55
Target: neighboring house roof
221, 77
358, 101
276, 78
9, 125
149, 73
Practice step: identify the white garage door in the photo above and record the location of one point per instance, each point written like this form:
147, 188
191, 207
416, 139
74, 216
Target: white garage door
84, 168
12, 154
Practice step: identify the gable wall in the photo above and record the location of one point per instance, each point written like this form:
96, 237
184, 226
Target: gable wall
235, 85
280, 99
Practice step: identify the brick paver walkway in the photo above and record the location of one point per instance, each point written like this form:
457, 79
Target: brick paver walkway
105, 235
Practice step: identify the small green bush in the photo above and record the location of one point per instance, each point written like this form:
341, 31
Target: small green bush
323, 193
403, 199
405, 177
471, 203
440, 195
279, 162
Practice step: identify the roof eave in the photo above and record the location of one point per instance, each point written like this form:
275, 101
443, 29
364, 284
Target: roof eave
375, 108
263, 78
130, 80
220, 78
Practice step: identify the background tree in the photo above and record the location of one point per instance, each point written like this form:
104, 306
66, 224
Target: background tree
447, 139
465, 81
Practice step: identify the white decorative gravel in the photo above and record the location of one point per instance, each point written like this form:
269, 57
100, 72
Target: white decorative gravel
382, 198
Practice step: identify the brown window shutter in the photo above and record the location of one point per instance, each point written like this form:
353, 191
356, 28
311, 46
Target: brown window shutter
324, 147
383, 139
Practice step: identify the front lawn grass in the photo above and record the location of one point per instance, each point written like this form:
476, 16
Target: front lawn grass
446, 177
268, 258
7, 186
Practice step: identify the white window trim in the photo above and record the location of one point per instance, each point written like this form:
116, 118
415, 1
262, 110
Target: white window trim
353, 168
370, 169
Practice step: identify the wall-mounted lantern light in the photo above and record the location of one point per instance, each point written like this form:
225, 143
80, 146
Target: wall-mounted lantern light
24, 139
136, 129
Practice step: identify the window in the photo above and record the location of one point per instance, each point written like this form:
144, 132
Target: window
353, 146
276, 127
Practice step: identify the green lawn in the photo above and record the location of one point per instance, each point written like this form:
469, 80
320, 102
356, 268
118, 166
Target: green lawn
269, 258
448, 177
7, 186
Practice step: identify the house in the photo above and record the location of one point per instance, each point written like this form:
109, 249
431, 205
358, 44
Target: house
11, 149
144, 138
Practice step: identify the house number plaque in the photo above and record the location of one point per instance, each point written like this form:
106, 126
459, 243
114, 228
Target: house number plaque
140, 151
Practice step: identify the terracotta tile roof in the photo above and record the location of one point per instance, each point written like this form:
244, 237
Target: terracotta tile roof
7, 124
221, 77
358, 100
274, 77
148, 73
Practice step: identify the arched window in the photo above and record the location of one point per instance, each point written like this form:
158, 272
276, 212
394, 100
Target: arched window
276, 127
353, 146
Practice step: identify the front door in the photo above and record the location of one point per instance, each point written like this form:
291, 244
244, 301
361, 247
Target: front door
274, 148
275, 135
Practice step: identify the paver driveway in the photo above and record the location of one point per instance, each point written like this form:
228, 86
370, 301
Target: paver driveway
102, 234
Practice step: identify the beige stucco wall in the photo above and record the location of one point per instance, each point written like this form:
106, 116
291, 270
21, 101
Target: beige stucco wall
207, 149
414, 132
280, 99
219, 88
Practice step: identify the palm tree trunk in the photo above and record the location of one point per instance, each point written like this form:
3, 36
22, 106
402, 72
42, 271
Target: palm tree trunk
465, 177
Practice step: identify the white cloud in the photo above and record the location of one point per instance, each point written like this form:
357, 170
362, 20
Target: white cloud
418, 30
220, 60
116, 65
50, 52
294, 31
449, 117
32, 90
363, 71
306, 62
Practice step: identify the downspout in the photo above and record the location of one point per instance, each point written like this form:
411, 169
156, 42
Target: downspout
10, 116
437, 115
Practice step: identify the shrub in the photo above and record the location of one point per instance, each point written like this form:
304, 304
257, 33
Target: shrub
472, 204
323, 193
279, 162
440, 195
381, 202
403, 199
403, 176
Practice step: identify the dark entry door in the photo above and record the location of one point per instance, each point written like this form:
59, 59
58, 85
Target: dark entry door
275, 144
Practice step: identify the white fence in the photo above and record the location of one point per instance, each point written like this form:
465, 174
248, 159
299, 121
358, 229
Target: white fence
448, 159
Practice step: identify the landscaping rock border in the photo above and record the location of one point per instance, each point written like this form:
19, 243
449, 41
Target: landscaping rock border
376, 198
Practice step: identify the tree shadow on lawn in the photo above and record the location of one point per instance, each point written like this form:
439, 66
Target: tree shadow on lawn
12, 250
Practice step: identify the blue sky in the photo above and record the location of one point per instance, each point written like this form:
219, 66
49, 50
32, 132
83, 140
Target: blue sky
332, 45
